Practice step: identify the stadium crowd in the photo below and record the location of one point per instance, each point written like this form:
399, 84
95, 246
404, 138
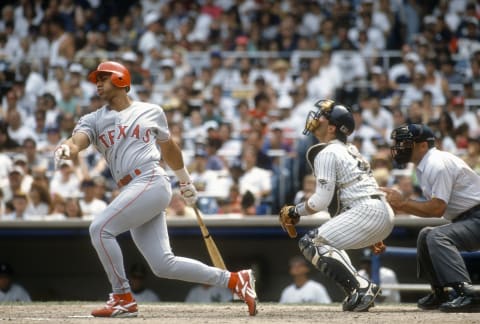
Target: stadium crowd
236, 80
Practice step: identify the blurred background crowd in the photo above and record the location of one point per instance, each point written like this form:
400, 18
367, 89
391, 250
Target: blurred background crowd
236, 80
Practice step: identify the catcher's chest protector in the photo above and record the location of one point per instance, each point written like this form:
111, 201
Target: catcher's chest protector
334, 206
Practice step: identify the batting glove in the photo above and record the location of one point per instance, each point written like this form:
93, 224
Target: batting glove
62, 152
189, 193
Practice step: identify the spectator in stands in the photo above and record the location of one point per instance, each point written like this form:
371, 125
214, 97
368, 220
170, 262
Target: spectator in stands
17, 130
39, 125
303, 290
470, 37
256, 180
39, 201
72, 208
327, 77
57, 76
472, 156
327, 37
178, 207
386, 276
378, 117
447, 68
254, 140
20, 160
363, 132
461, 115
92, 52
14, 182
89, 204
19, 202
52, 110
66, 180
445, 128
415, 91
137, 276
206, 294
233, 203
452, 191
62, 46
7, 144
404, 183
58, 208
308, 188
32, 156
69, 102
10, 290
401, 73
82, 89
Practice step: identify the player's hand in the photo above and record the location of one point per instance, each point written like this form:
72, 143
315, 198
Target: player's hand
62, 152
189, 193
394, 197
378, 248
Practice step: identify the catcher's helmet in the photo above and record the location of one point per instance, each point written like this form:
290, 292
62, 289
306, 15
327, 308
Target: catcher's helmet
119, 74
404, 137
336, 114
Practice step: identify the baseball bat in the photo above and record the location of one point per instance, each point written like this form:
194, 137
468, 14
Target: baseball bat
212, 248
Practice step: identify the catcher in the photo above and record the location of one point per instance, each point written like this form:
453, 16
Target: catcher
361, 217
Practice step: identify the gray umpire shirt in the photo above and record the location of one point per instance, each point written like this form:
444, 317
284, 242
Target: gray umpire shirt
444, 176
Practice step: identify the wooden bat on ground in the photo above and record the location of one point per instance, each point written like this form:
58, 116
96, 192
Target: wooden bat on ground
212, 248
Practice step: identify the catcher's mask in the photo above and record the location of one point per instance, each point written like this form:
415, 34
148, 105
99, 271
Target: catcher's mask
336, 114
404, 138
119, 74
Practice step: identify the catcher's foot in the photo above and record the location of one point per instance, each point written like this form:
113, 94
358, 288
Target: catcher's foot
245, 289
118, 305
367, 297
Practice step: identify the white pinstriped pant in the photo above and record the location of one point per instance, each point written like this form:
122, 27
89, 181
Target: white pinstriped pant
367, 222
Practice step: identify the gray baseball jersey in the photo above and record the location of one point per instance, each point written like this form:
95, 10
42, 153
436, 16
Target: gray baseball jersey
363, 220
127, 140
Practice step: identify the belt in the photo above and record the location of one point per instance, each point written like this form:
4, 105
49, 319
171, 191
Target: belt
468, 212
129, 177
378, 197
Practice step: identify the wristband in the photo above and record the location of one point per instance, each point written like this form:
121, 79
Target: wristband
182, 175
301, 209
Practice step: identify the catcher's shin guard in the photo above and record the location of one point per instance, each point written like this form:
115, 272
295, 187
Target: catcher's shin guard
330, 261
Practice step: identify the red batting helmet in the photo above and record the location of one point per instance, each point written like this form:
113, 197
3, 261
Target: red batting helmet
120, 75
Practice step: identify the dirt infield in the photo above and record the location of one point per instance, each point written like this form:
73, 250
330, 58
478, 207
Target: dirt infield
179, 313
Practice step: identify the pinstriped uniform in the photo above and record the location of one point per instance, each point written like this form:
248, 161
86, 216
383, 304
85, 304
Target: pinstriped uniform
362, 220
127, 139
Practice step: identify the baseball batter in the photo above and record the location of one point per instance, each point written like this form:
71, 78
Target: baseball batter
364, 217
126, 133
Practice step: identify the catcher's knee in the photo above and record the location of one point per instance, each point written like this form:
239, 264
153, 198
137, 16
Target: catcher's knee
308, 247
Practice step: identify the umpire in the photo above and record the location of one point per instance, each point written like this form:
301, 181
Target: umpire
452, 190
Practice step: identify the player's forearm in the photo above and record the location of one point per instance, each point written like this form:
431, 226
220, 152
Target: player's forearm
172, 155
427, 209
76, 143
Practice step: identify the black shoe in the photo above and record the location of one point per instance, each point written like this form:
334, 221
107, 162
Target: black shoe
433, 300
362, 299
462, 304
467, 300
350, 302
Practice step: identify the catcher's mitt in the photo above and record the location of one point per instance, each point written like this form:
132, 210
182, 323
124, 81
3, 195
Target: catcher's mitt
288, 218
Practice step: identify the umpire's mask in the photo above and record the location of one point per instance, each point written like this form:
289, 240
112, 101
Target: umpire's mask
404, 138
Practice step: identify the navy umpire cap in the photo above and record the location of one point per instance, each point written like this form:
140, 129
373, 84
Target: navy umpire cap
421, 133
